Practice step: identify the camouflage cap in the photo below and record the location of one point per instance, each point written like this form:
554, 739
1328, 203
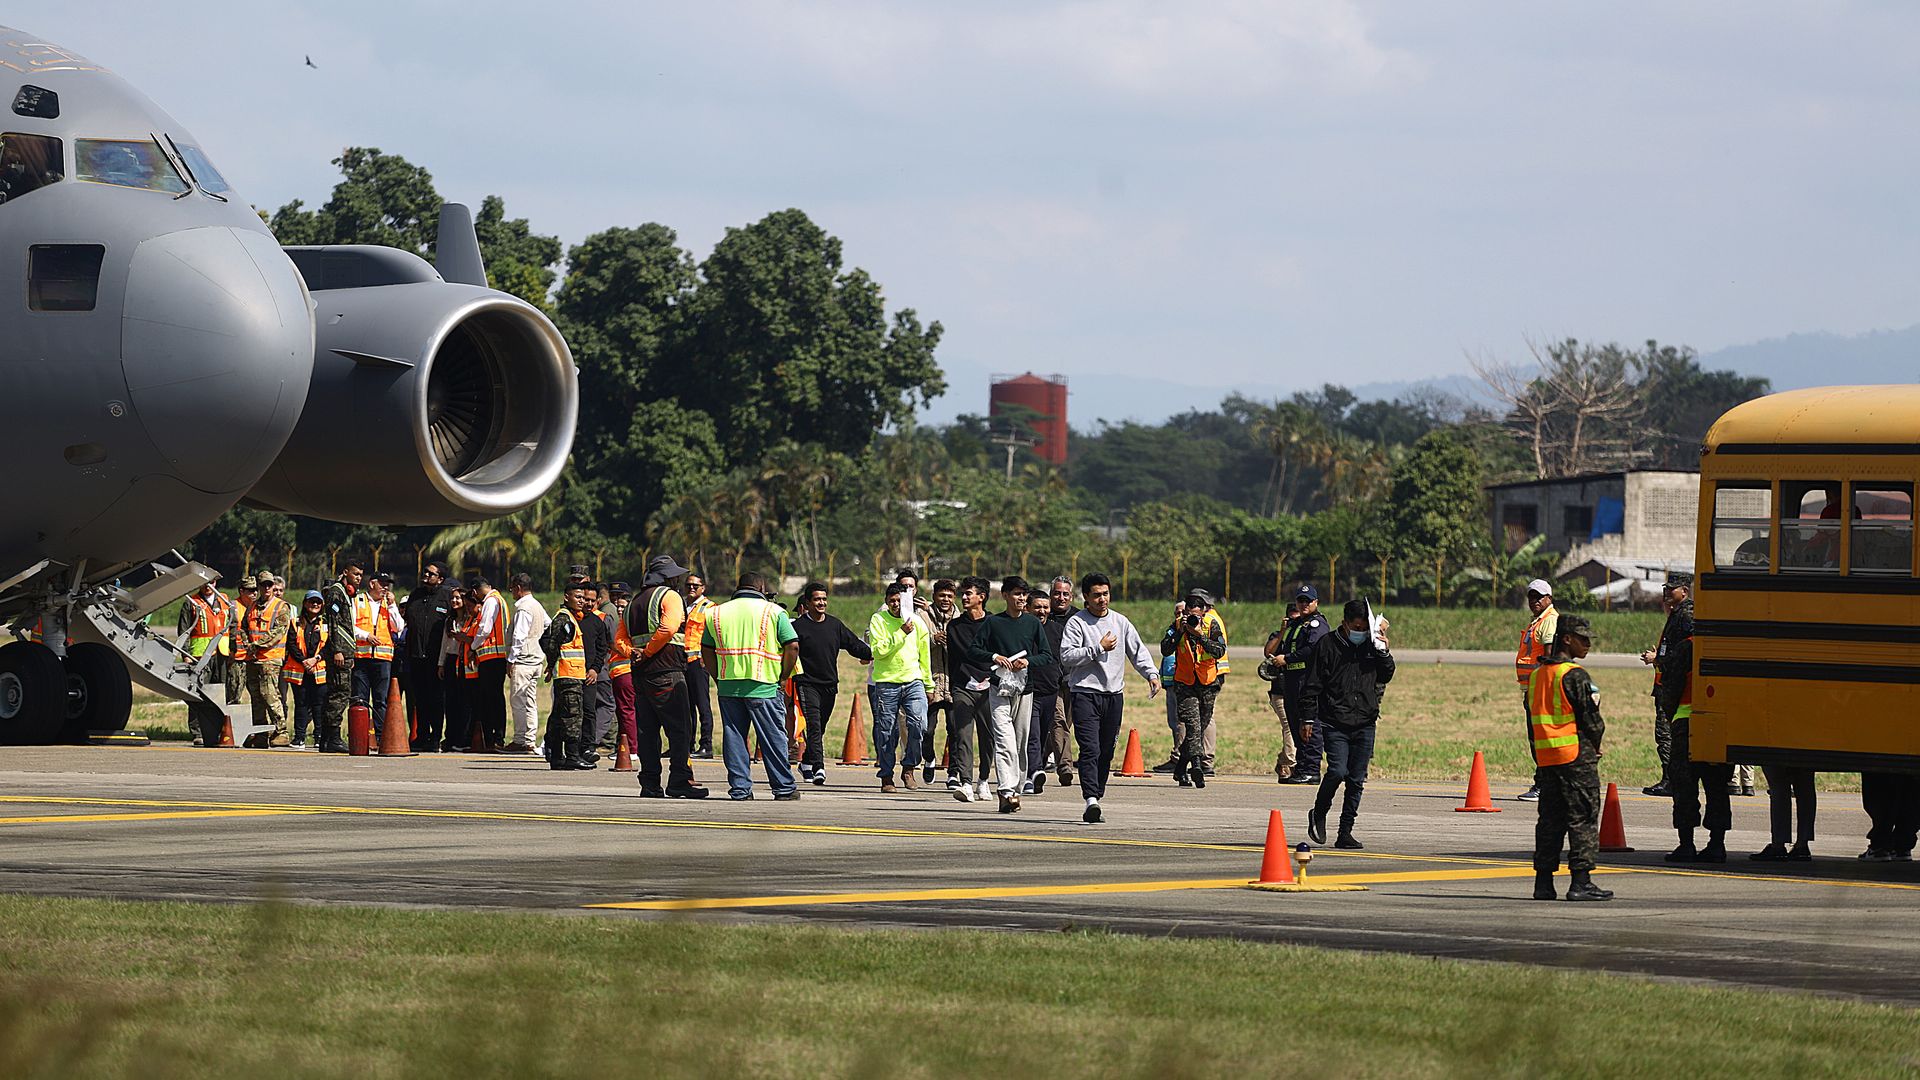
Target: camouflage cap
1578, 626
249, 582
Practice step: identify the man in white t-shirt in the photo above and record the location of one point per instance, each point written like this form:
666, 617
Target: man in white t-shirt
525, 661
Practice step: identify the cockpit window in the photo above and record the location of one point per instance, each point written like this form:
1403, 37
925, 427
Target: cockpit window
203, 170
27, 163
126, 163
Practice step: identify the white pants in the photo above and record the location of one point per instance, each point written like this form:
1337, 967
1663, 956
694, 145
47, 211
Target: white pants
1011, 719
523, 693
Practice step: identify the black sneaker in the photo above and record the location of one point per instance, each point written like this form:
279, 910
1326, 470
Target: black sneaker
689, 791
1169, 765
819, 777
1532, 794
1039, 782
1346, 842
1659, 790
1092, 814
790, 796
926, 773
1317, 825
1304, 778
704, 753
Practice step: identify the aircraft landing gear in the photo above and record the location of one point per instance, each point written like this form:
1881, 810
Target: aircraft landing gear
33, 694
99, 691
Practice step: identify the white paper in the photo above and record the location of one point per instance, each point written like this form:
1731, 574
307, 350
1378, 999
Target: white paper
1373, 627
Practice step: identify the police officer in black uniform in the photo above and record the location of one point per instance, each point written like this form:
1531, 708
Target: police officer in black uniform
425, 614
1303, 633
1686, 776
1561, 692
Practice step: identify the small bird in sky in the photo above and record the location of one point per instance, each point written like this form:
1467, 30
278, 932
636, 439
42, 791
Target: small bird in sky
312, 65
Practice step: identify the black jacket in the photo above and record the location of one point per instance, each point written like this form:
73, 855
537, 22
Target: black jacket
1674, 658
1305, 634
1045, 678
821, 644
1344, 681
425, 614
961, 667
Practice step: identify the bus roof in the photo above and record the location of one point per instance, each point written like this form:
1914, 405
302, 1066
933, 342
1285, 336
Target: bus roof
1843, 417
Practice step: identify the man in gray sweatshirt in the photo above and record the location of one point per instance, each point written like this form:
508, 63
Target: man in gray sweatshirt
1095, 649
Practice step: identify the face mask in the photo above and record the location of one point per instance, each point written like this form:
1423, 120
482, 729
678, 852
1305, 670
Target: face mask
1356, 636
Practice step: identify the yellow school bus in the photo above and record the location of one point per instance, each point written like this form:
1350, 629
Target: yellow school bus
1806, 607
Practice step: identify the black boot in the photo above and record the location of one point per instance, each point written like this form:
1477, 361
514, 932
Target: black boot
582, 755
1197, 771
1583, 888
330, 742
1180, 768
1685, 852
1543, 888
1716, 849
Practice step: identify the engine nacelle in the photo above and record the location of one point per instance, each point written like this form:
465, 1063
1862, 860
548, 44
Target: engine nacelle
432, 403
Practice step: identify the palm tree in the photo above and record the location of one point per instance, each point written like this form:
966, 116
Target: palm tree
517, 536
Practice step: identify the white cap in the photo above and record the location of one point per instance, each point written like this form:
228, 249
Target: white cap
1539, 585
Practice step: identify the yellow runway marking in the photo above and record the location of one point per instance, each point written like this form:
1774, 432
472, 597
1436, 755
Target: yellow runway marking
1013, 891
167, 815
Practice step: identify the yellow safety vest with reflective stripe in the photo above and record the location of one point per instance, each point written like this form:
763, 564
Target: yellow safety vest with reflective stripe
695, 626
210, 620
1290, 643
620, 660
1684, 710
573, 655
1556, 737
746, 643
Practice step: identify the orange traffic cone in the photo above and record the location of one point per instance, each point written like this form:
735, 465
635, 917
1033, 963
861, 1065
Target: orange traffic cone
394, 741
854, 750
623, 756
1613, 831
1479, 801
1276, 865
226, 731
1133, 764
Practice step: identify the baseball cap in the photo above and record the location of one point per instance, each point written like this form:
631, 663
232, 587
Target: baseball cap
1540, 586
1306, 592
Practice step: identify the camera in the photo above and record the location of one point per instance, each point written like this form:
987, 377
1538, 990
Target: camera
1192, 621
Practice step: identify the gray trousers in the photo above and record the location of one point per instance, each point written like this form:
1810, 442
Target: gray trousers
601, 717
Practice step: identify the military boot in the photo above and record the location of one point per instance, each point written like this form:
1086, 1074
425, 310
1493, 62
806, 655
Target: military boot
1716, 849
1685, 852
1583, 888
330, 741
1543, 888
582, 755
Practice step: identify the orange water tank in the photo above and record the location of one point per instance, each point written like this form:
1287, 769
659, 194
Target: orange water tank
1046, 396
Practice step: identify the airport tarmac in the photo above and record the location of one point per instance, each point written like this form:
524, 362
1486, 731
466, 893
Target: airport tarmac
505, 833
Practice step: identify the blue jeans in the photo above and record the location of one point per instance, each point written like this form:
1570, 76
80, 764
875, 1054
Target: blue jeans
890, 700
371, 680
1349, 752
767, 718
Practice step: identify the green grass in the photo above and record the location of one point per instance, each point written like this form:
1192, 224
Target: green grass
156, 990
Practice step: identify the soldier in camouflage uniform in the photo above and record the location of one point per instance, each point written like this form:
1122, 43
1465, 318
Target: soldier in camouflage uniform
337, 606
1563, 718
567, 669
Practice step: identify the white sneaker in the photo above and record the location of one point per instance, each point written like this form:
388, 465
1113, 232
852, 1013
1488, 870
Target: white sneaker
983, 792
1026, 788
964, 793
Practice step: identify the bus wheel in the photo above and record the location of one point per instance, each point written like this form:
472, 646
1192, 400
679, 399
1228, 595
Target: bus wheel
99, 691
33, 694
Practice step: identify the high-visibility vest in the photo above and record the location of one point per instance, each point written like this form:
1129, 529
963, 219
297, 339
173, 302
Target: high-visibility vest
1534, 644
469, 657
259, 622
621, 662
1290, 643
746, 646
494, 645
573, 655
296, 671
695, 627
1556, 738
237, 629
369, 615
1193, 666
210, 620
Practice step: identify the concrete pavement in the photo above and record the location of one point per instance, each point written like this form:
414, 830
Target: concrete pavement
501, 833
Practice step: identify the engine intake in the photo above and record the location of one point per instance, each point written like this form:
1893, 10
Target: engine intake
432, 403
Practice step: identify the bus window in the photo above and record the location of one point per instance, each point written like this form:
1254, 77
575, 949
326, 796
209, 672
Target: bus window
1882, 529
1810, 525
1742, 525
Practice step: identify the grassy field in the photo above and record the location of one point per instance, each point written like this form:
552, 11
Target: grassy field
115, 989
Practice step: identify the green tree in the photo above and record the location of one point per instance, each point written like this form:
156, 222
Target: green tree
792, 346
1436, 509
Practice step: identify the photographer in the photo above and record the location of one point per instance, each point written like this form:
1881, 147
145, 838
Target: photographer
1197, 640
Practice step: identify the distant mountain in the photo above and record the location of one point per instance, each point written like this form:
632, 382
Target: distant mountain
1821, 359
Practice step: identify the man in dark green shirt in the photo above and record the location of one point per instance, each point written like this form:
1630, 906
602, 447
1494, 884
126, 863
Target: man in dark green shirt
1012, 641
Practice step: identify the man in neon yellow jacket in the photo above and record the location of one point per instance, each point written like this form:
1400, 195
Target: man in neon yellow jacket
902, 681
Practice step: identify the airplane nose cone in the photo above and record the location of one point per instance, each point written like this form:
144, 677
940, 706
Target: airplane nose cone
216, 342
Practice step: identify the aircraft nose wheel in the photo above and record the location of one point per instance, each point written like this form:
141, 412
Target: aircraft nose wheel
33, 694
99, 692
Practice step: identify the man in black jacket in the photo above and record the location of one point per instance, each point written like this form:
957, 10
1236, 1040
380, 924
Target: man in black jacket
823, 638
1043, 734
1674, 696
1302, 636
425, 614
1340, 700
970, 724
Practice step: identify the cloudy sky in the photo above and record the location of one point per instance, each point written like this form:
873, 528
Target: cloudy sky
1235, 193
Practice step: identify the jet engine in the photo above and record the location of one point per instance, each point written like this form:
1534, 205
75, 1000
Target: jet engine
432, 402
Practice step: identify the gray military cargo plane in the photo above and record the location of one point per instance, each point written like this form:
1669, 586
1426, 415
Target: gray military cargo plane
162, 359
